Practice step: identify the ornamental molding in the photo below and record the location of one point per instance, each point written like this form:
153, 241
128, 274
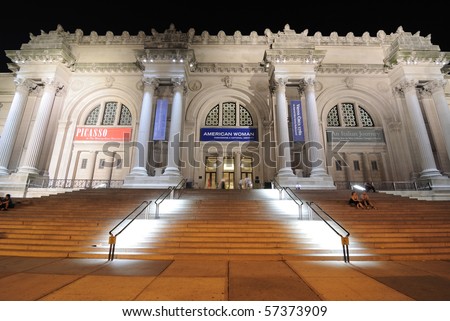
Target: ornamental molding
297, 56
46, 56
286, 46
287, 38
106, 68
228, 68
352, 69
150, 56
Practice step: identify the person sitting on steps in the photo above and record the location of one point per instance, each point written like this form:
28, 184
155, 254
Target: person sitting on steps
6, 202
365, 200
354, 200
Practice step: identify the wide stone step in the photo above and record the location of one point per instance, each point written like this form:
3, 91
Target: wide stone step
224, 224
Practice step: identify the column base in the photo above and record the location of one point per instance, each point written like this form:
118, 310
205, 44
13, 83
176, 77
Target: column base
171, 171
285, 172
138, 171
428, 173
3, 171
319, 172
28, 170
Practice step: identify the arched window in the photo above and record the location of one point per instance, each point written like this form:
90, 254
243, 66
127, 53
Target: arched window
110, 113
349, 115
229, 114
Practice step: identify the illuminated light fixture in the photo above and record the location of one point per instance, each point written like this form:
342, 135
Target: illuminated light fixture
358, 187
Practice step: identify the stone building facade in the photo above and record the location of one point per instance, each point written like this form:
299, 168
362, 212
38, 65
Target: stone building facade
148, 110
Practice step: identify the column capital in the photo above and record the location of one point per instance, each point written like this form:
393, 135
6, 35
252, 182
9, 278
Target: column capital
308, 83
179, 83
25, 84
279, 83
151, 82
435, 85
406, 85
52, 84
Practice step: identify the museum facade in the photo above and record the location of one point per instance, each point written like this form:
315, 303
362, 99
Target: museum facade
146, 111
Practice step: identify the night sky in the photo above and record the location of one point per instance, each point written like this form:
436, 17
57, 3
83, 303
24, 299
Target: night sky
15, 28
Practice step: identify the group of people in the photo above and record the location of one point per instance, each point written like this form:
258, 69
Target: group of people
245, 183
6, 202
364, 202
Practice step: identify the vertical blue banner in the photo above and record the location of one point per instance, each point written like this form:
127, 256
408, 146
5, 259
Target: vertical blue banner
159, 130
298, 134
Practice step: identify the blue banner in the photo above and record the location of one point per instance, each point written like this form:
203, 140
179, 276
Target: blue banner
228, 134
298, 134
159, 130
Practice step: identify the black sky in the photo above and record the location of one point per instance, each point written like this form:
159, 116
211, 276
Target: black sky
16, 23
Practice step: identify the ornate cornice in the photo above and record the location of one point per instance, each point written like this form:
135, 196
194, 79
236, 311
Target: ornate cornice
61, 55
47, 48
165, 55
353, 69
228, 68
296, 55
286, 46
287, 38
409, 49
106, 68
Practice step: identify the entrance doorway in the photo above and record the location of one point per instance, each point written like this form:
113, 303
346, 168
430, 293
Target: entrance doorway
229, 169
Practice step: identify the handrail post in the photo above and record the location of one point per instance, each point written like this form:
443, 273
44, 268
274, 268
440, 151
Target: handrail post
345, 242
157, 211
300, 210
112, 247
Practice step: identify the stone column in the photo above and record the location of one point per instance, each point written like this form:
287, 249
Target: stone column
37, 136
316, 145
173, 147
237, 168
428, 165
141, 155
219, 171
436, 87
348, 167
383, 167
12, 124
367, 168
283, 145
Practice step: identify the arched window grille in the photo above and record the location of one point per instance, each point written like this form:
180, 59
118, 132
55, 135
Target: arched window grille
110, 113
229, 114
349, 115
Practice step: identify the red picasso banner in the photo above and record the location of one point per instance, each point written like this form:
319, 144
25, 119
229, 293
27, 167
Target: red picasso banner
103, 133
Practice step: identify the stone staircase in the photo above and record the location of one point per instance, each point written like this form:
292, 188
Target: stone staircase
224, 224
398, 229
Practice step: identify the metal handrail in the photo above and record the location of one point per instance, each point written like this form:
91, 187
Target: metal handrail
181, 186
113, 237
162, 197
344, 236
296, 199
279, 188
